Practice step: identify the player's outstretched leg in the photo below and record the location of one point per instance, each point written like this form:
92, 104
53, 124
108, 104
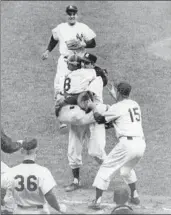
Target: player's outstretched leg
76, 137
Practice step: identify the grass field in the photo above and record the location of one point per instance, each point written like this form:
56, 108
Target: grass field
125, 31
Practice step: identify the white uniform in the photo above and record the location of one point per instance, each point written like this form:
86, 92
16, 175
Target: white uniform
83, 127
29, 182
78, 81
65, 32
126, 117
8, 199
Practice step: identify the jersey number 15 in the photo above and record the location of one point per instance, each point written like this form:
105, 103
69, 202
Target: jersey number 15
134, 114
31, 184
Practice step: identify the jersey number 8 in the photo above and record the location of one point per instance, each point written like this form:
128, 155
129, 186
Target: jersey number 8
31, 185
67, 84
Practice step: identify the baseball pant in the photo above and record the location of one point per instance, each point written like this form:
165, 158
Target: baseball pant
124, 157
74, 115
94, 135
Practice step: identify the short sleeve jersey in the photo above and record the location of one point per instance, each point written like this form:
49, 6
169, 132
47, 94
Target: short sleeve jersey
126, 117
78, 81
29, 183
65, 32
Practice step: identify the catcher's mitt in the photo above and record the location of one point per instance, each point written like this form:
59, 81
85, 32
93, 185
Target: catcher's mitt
74, 44
83, 100
103, 73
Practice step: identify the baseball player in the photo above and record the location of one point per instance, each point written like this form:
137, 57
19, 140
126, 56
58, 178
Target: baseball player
72, 36
32, 185
7, 146
121, 197
127, 121
82, 79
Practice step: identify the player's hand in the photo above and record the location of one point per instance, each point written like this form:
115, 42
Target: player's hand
99, 118
20, 142
45, 55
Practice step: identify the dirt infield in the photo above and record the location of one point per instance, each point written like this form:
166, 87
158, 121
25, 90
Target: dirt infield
77, 202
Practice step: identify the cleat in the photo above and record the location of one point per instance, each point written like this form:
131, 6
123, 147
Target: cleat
72, 187
94, 205
135, 200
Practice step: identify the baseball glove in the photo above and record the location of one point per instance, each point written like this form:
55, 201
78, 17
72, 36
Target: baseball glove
74, 44
103, 73
83, 100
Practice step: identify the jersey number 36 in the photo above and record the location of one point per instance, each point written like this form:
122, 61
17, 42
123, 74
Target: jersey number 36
31, 184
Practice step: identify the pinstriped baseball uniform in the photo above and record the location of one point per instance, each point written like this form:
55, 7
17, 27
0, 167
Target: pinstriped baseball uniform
65, 32
73, 115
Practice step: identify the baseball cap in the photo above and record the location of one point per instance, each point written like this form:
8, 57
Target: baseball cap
89, 58
71, 8
124, 88
29, 144
121, 195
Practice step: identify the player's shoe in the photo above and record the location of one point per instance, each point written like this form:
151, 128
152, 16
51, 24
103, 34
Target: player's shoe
94, 205
62, 125
72, 187
135, 200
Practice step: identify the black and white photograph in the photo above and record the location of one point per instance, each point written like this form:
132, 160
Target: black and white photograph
85, 107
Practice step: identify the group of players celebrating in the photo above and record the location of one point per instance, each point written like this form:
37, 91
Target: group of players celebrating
78, 92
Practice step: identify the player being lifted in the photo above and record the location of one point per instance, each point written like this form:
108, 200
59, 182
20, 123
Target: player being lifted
73, 37
85, 79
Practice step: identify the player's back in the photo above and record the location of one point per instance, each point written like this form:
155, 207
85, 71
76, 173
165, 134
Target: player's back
128, 120
79, 80
26, 181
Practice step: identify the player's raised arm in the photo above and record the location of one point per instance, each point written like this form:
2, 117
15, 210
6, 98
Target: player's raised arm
7, 145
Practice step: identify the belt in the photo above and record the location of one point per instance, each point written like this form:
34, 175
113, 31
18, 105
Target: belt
130, 137
30, 206
71, 94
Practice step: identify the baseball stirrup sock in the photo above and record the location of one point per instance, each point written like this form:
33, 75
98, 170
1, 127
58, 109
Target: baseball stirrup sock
76, 174
132, 188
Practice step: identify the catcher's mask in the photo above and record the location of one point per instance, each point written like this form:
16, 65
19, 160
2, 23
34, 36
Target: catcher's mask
121, 195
